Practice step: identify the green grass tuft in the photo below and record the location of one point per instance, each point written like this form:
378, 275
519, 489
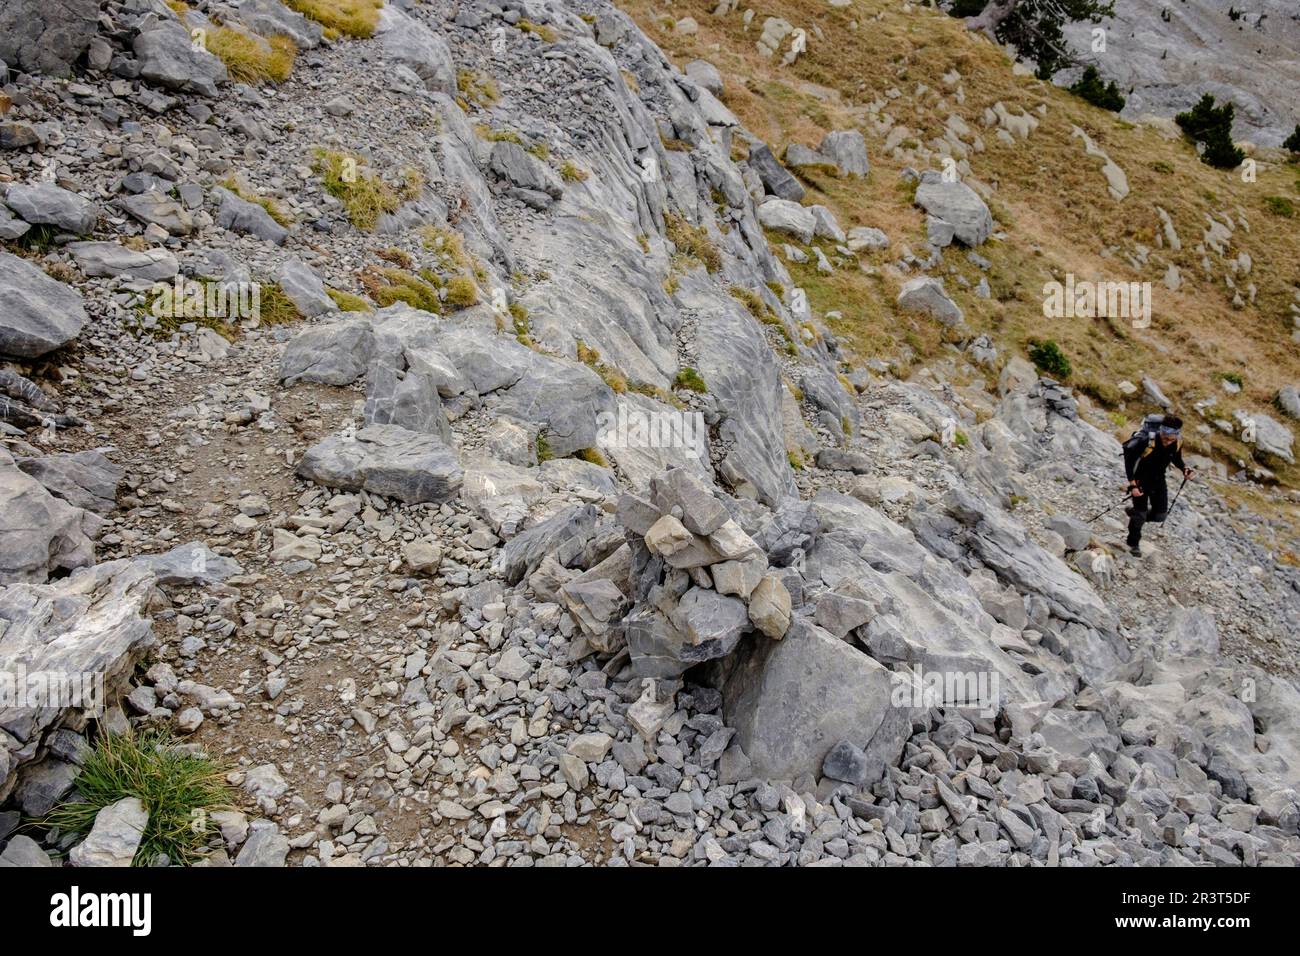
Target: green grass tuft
347, 302
540, 30
1280, 206
178, 791
1050, 359
387, 286
690, 379
462, 292
692, 241
364, 195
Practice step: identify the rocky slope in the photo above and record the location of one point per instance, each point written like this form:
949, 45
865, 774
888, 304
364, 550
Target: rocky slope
1168, 55
391, 566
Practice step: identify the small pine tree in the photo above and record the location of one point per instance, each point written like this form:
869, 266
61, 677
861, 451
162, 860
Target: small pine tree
1033, 27
1202, 117
1050, 359
1091, 88
1220, 151
1292, 142
1212, 125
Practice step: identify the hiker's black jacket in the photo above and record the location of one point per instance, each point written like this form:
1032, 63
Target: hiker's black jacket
1147, 461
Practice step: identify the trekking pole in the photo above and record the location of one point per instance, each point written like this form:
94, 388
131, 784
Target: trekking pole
1172, 506
1108, 510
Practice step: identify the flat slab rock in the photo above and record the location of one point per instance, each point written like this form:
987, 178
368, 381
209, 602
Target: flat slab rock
85, 479
386, 460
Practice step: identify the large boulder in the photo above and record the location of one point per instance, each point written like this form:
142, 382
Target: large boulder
169, 58
23, 851
39, 533
337, 353
398, 394
791, 701
84, 479
711, 620
705, 75
46, 36
248, 218
703, 626
956, 204
93, 629
502, 494
629, 439
783, 215
1288, 399
189, 564
563, 536
564, 398
385, 460
37, 314
45, 204
846, 150
744, 381
11, 227
271, 18
305, 288
115, 836
512, 163
412, 44
1273, 438
927, 295
918, 612
776, 178
155, 208
1003, 544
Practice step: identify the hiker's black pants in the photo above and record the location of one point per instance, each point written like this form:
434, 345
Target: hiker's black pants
1152, 506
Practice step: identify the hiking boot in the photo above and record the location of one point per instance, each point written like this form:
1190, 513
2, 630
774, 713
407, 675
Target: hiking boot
1134, 550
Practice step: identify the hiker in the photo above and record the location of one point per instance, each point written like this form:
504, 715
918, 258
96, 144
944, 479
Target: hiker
1146, 456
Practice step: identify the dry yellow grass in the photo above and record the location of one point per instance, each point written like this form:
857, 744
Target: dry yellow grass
249, 58
252, 59
1048, 197
543, 32
354, 18
477, 88
364, 193
274, 208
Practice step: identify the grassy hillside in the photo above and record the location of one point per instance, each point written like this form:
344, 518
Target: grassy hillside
918, 67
